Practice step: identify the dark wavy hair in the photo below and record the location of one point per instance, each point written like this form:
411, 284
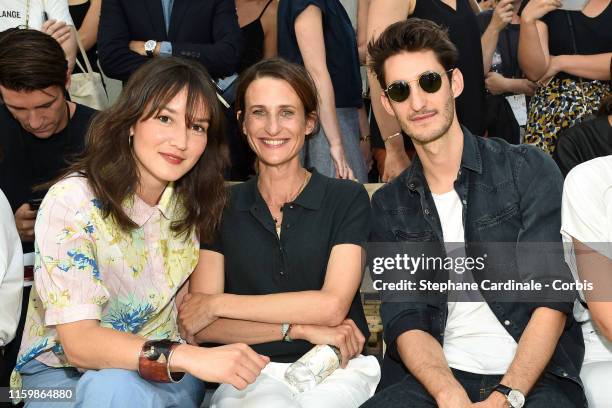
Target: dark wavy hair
295, 75
411, 35
109, 162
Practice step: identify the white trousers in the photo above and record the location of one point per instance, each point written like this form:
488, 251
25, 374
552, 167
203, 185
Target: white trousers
596, 373
344, 388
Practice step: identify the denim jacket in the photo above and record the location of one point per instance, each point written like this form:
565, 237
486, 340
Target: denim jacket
509, 193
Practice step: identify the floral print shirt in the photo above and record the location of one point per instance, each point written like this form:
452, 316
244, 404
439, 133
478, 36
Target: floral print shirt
88, 268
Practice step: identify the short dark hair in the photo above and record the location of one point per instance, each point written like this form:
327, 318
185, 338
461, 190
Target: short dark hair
411, 35
109, 162
295, 75
31, 60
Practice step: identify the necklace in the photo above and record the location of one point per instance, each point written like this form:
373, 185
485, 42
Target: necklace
294, 196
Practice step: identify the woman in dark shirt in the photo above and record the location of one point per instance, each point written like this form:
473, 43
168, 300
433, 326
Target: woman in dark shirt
86, 16
257, 19
568, 53
288, 256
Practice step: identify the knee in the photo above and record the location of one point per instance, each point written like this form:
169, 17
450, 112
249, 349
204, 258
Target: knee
110, 385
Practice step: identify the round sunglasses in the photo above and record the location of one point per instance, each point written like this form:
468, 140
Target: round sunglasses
430, 82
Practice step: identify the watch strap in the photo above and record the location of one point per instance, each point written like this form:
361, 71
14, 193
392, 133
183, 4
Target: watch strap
503, 389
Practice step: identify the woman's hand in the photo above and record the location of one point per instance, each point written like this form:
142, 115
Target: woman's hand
342, 167
536, 9
346, 336
195, 314
235, 364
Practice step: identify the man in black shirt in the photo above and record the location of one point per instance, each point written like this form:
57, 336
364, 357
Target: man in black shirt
40, 131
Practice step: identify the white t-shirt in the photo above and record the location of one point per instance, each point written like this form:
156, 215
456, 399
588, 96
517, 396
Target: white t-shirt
14, 13
11, 273
586, 215
474, 340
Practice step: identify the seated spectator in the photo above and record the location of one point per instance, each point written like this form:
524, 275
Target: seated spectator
41, 130
568, 53
447, 350
459, 17
586, 141
587, 230
131, 32
11, 275
318, 34
86, 17
504, 80
117, 238
49, 16
285, 290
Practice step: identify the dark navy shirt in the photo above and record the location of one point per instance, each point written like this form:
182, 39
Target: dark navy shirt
328, 212
340, 46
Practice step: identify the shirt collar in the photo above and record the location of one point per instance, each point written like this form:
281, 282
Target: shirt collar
311, 197
141, 212
471, 159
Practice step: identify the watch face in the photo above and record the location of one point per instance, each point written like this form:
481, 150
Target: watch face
516, 399
150, 45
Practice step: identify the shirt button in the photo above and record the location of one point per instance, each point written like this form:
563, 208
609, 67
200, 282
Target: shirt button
464, 202
291, 206
507, 322
282, 273
564, 374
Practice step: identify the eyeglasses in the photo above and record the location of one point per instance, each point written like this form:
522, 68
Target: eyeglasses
429, 81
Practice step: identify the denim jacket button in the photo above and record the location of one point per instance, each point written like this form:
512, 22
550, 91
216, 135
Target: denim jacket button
427, 211
507, 322
564, 374
412, 185
464, 202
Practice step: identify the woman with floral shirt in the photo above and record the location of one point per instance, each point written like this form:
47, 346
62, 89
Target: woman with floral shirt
116, 239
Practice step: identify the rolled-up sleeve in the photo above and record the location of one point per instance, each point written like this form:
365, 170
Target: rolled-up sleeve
66, 274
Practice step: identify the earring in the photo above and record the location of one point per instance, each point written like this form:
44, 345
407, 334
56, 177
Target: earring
130, 140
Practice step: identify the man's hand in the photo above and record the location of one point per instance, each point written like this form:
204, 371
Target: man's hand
24, 220
395, 163
235, 364
195, 314
495, 400
502, 16
536, 9
496, 83
56, 29
454, 398
346, 336
343, 170
138, 47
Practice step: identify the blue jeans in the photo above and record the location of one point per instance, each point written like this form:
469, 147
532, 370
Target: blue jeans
111, 387
549, 391
316, 151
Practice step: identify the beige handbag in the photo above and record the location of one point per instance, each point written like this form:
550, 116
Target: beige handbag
86, 87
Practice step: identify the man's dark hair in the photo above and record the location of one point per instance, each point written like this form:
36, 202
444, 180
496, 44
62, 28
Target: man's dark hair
31, 60
411, 35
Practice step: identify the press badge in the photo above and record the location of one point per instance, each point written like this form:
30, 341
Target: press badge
518, 103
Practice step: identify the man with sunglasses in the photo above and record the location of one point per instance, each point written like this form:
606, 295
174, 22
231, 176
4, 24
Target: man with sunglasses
474, 193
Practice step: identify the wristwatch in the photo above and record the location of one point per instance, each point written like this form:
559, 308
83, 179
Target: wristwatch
515, 398
285, 328
149, 47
